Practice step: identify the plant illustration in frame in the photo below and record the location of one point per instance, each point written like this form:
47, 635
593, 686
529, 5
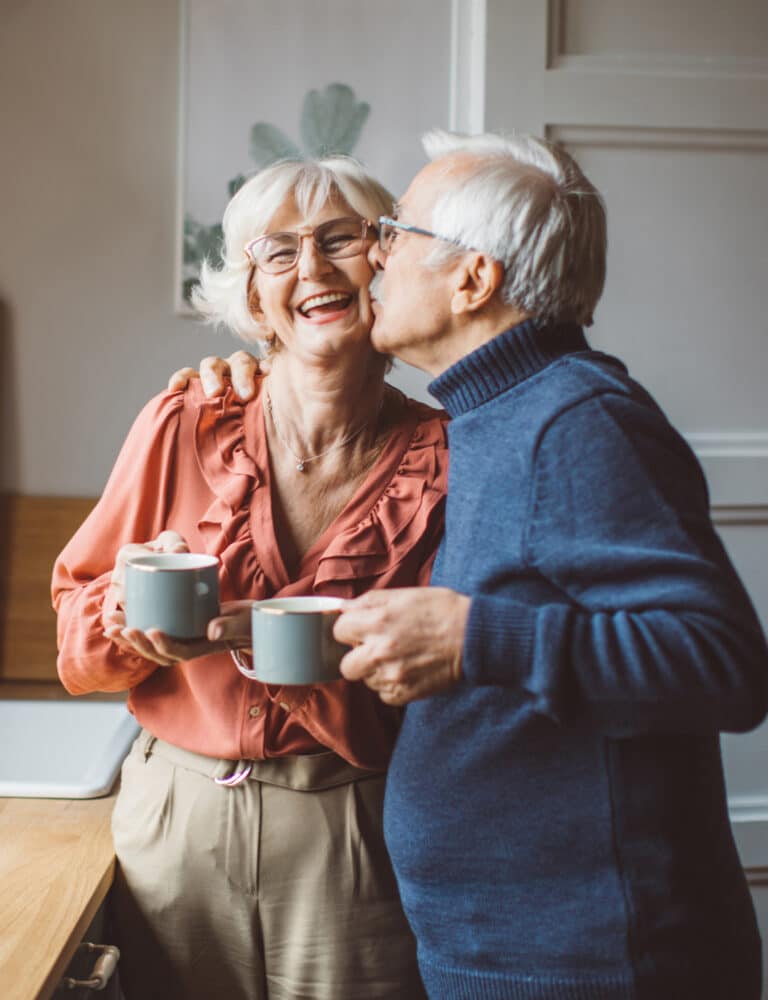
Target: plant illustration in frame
331, 122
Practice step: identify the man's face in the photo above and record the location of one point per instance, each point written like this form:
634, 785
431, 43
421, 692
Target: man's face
412, 306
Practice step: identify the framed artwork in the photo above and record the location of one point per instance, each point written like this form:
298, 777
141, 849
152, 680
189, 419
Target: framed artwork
261, 80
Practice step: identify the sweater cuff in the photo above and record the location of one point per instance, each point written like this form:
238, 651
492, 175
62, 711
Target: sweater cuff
499, 641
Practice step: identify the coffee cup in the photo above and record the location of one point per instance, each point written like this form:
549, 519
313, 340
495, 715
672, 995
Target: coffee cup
176, 592
292, 641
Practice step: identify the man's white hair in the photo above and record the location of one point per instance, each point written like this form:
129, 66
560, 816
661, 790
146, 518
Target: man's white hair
221, 297
526, 203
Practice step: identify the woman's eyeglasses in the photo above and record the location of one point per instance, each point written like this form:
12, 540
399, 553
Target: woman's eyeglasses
334, 240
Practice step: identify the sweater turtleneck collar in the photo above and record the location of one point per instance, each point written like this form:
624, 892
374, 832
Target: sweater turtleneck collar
499, 364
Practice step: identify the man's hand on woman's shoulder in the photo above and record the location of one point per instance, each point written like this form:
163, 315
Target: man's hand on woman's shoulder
241, 367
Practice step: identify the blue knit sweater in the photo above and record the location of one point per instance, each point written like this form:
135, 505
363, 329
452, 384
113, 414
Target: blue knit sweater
558, 821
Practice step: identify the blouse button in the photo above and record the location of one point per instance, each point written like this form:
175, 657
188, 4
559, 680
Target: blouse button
285, 706
254, 710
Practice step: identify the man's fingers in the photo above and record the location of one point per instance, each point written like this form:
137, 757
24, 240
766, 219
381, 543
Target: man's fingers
241, 366
362, 617
213, 372
359, 664
181, 379
244, 368
396, 695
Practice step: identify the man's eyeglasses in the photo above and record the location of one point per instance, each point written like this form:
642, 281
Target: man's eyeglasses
334, 240
388, 229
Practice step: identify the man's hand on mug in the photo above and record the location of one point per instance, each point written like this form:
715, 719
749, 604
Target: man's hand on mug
241, 367
407, 643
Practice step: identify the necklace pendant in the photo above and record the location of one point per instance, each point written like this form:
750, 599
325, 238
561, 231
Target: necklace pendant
300, 467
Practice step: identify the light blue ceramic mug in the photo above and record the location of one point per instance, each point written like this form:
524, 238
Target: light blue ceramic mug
176, 592
292, 641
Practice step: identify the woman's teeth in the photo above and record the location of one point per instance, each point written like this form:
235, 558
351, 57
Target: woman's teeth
323, 301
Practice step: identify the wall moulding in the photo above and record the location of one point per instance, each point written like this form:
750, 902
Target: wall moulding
757, 877
468, 56
735, 461
628, 137
632, 61
736, 467
749, 819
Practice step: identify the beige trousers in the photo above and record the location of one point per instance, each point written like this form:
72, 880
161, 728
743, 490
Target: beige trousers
278, 887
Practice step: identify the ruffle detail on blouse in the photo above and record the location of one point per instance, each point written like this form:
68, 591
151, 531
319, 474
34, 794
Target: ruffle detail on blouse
398, 521
393, 526
231, 475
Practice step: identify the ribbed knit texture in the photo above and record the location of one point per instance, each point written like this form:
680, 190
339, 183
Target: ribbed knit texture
503, 362
459, 985
558, 821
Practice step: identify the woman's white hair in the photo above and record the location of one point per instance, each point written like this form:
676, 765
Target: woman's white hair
526, 203
221, 298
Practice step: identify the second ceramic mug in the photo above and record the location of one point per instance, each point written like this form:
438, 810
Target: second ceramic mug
292, 641
176, 592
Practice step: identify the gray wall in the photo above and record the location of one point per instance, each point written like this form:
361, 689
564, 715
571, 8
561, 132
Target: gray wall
88, 139
88, 92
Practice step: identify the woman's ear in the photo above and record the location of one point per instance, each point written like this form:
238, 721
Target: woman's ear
266, 335
254, 304
480, 279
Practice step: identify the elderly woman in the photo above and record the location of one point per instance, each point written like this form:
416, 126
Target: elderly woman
326, 482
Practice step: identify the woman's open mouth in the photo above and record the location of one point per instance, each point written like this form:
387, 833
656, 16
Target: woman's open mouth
325, 306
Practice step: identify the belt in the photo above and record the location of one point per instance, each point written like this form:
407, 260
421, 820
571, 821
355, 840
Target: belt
299, 772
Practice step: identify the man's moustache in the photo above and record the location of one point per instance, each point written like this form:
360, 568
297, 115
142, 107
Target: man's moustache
375, 288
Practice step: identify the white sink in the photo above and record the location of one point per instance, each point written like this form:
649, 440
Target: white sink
62, 749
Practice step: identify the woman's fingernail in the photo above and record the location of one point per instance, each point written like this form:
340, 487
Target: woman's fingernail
217, 632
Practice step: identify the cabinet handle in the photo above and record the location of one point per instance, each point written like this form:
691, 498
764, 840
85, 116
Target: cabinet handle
103, 967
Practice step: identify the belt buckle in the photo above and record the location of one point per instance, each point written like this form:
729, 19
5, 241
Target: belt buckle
236, 777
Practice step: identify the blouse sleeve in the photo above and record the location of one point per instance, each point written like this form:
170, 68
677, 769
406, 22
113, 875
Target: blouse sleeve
132, 508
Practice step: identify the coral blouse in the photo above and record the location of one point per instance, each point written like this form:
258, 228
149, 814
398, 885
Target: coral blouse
200, 467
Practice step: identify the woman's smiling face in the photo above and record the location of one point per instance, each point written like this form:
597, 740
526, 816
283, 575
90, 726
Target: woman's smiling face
320, 306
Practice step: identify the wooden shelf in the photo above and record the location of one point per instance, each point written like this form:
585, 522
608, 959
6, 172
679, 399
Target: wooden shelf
33, 530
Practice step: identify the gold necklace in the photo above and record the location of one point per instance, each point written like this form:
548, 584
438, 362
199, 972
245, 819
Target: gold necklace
303, 460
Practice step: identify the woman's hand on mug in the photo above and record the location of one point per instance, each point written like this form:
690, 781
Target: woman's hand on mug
114, 621
241, 367
232, 629
166, 541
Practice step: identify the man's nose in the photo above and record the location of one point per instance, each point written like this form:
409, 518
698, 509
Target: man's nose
376, 257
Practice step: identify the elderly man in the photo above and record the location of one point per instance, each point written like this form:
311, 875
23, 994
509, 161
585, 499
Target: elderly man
555, 810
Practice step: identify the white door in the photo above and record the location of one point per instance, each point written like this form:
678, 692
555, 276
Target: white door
665, 105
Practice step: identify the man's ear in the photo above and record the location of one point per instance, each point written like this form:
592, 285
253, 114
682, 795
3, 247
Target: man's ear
480, 279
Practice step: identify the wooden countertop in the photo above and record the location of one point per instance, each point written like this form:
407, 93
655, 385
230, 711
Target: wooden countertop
56, 866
